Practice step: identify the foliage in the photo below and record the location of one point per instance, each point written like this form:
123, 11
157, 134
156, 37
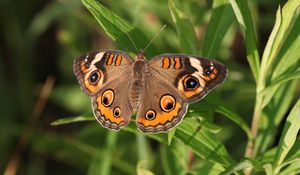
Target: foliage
248, 125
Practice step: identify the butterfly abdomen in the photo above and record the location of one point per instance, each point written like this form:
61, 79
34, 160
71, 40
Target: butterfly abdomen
139, 67
135, 94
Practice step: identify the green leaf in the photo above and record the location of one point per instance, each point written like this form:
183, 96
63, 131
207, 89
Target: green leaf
273, 114
286, 163
268, 169
244, 164
185, 29
143, 148
202, 142
73, 120
285, 19
174, 158
221, 19
293, 168
289, 135
235, 118
50, 14
288, 58
171, 135
209, 168
279, 81
106, 159
116, 28
219, 106
286, 63
141, 170
243, 15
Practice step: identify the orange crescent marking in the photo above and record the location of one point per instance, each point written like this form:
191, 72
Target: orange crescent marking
215, 71
212, 76
91, 88
110, 59
161, 118
190, 94
118, 60
108, 113
83, 68
166, 63
206, 78
178, 64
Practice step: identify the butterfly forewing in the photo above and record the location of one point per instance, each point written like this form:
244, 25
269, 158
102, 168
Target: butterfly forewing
193, 76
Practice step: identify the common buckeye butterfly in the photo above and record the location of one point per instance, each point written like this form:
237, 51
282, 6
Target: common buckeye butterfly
158, 90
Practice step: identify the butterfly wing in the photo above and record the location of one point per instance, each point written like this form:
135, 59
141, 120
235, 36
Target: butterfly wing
192, 76
106, 77
173, 81
162, 107
94, 69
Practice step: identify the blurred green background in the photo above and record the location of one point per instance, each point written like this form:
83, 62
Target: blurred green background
39, 39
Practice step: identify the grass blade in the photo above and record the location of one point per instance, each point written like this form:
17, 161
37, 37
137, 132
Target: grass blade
243, 15
116, 28
288, 136
274, 113
185, 29
202, 142
235, 118
221, 19
244, 164
141, 170
293, 168
73, 120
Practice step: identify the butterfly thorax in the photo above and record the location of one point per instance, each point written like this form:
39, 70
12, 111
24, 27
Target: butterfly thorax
140, 69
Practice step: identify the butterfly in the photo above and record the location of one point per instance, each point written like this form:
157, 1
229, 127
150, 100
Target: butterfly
158, 91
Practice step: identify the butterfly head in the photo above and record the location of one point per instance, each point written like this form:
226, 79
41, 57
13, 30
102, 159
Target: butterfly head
140, 55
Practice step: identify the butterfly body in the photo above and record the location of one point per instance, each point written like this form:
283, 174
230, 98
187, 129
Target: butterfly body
158, 90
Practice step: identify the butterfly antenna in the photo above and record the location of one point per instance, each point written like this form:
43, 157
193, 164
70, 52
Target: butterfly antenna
155, 37
129, 38
132, 42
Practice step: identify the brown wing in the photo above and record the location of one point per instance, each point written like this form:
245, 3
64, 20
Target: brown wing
94, 69
193, 76
162, 106
111, 104
106, 76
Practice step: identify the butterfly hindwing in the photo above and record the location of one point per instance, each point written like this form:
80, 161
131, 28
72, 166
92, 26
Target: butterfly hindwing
162, 106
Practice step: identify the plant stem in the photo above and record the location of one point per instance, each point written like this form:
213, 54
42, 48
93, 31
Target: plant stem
255, 119
14, 162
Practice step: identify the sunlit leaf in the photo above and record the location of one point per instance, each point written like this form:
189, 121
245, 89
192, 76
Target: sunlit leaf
244, 17
289, 135
116, 27
244, 164
221, 19
185, 30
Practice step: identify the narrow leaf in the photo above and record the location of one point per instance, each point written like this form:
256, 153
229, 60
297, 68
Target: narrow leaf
289, 134
235, 118
247, 163
141, 170
185, 30
116, 27
243, 15
72, 120
202, 142
221, 19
